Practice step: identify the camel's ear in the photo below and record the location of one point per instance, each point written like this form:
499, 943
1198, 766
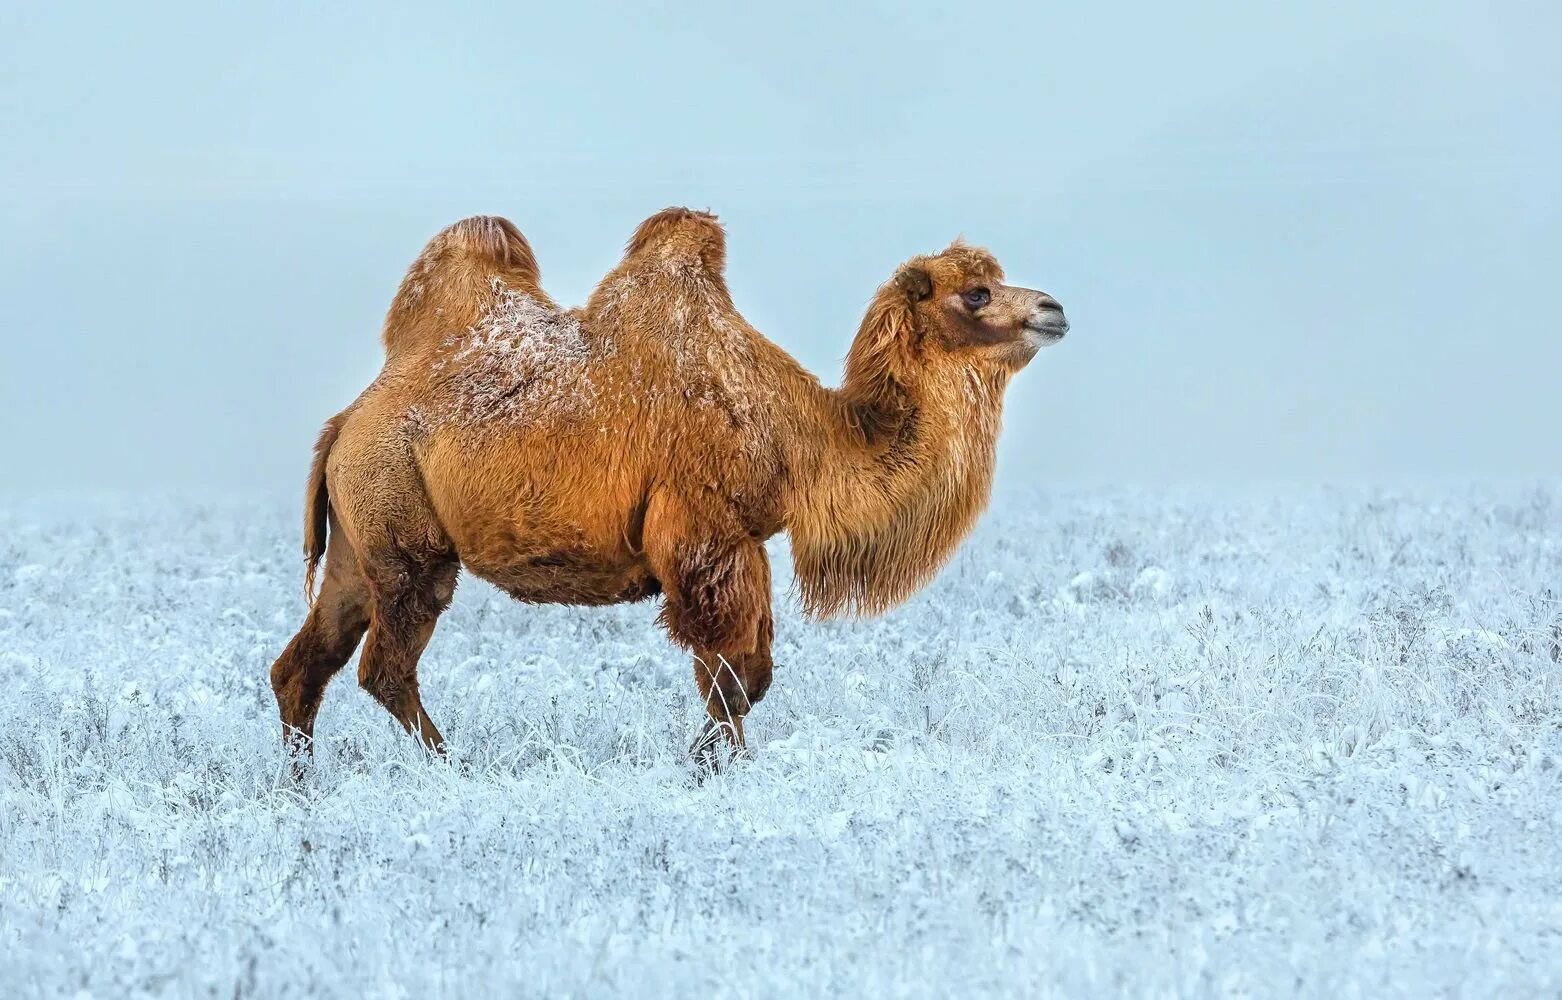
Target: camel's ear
914, 281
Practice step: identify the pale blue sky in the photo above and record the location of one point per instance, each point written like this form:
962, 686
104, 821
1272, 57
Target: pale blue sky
1294, 243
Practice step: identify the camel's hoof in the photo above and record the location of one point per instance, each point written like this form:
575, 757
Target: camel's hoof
300, 753
459, 763
713, 751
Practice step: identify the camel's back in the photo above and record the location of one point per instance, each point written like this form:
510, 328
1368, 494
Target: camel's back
573, 420
524, 364
657, 353
550, 427
528, 376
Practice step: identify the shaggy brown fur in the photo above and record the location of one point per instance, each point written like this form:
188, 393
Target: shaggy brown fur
646, 443
446, 287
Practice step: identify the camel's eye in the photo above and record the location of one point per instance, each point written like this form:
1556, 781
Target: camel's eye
976, 298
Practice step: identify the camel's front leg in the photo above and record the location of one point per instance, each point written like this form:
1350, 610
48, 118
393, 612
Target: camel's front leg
717, 583
730, 686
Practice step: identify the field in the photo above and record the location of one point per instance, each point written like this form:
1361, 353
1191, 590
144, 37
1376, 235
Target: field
1151, 743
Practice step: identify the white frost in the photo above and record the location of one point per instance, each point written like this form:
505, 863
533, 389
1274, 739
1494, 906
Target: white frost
521, 362
1324, 759
1152, 583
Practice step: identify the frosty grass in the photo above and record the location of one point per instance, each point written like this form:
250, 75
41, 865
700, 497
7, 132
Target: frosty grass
1166, 744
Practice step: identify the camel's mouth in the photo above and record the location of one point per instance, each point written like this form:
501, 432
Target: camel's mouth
1048, 328
1046, 324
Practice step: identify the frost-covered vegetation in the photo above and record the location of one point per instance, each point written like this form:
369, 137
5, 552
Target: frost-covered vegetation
1169, 745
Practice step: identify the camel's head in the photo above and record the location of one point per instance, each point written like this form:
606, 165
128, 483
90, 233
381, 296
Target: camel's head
963, 308
953, 306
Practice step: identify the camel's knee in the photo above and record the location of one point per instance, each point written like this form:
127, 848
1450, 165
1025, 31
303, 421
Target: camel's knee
324, 643
283, 686
757, 678
723, 687
285, 675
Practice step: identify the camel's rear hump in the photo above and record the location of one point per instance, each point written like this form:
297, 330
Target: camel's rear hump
495, 240
454, 280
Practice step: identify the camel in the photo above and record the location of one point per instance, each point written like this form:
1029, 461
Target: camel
646, 443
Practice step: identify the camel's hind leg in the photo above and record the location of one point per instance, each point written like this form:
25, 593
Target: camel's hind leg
323, 646
411, 590
377, 491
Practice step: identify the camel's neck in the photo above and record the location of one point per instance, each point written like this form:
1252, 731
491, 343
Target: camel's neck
899, 478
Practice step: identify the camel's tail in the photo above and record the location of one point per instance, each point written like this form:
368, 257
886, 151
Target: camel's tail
317, 504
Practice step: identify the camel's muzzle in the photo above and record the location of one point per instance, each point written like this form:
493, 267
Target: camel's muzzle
1046, 323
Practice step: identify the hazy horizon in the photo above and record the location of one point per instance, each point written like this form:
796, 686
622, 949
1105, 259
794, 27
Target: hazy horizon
1294, 245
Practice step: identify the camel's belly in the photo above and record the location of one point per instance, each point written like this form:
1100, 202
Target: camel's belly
548, 522
571, 578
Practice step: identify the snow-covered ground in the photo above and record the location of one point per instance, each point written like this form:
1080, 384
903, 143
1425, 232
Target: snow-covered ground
1170, 745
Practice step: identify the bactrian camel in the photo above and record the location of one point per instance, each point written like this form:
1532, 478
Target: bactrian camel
647, 443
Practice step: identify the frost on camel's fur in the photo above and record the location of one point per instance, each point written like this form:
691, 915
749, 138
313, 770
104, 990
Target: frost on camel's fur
646, 443
523, 360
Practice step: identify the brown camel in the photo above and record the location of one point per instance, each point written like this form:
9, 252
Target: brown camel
646, 443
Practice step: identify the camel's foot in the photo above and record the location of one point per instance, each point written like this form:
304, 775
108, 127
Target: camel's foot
453, 759
299, 749
718, 745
